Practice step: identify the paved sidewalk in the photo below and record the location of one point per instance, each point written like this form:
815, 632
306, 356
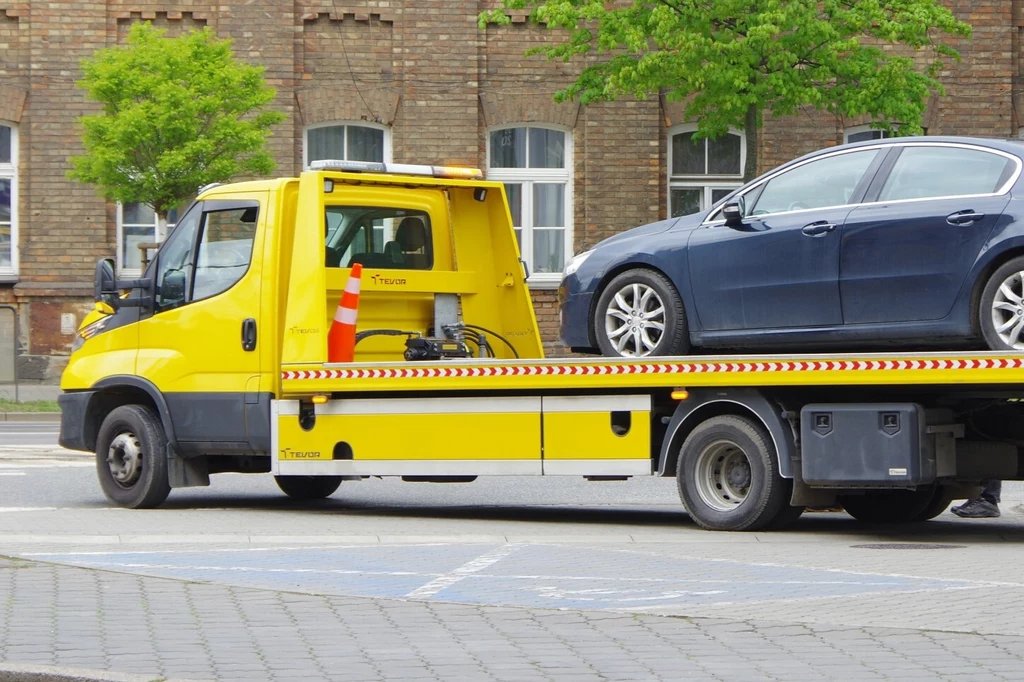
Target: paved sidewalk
82, 618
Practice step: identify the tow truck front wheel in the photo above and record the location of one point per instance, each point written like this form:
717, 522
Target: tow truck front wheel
308, 487
728, 476
131, 458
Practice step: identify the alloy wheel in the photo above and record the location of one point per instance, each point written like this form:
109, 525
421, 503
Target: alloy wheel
635, 320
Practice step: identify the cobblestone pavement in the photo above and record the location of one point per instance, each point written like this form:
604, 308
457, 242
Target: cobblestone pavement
77, 617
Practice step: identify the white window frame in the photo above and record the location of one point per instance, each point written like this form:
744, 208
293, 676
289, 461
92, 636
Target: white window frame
121, 269
708, 183
527, 177
853, 130
9, 171
335, 124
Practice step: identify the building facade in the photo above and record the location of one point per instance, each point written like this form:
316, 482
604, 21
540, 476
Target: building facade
411, 81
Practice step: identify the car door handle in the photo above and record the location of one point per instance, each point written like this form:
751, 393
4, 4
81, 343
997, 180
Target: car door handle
249, 334
964, 217
818, 228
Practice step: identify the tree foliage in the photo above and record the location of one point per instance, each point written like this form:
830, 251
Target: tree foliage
733, 60
178, 113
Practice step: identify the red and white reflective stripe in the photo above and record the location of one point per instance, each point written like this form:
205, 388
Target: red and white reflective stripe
657, 368
345, 315
352, 285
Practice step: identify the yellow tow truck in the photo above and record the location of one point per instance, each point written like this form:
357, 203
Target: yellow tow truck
216, 360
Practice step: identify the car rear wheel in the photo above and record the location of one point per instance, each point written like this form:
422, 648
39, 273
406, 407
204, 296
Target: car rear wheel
640, 314
1001, 310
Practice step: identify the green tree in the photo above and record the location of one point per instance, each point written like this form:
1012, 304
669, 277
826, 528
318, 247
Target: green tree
178, 113
734, 60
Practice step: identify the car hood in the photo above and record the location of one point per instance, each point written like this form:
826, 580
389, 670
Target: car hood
682, 223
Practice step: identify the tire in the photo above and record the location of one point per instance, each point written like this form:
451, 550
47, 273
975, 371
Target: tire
131, 458
1003, 305
308, 487
617, 310
728, 476
895, 506
939, 503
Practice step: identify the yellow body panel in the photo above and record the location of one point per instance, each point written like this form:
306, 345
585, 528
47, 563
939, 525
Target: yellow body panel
584, 427
109, 353
197, 348
439, 429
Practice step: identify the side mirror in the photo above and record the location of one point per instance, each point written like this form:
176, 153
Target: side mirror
107, 288
172, 287
733, 212
104, 285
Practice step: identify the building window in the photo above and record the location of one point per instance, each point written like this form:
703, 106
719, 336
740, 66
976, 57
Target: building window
346, 142
8, 200
136, 224
535, 166
866, 133
702, 171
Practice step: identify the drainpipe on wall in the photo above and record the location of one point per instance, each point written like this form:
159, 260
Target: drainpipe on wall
14, 316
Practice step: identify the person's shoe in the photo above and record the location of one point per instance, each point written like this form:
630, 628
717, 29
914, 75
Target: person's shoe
978, 508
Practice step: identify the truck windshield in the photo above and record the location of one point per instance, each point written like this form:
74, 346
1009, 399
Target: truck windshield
378, 237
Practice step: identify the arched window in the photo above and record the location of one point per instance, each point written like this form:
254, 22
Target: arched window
8, 200
535, 163
702, 171
346, 142
864, 133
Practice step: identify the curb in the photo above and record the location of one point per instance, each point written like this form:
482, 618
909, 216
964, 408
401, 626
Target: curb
49, 673
30, 416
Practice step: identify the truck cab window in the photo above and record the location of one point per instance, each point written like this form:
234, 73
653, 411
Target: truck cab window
388, 238
174, 264
225, 250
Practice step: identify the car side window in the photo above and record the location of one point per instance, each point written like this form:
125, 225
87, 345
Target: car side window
174, 262
830, 181
225, 250
923, 172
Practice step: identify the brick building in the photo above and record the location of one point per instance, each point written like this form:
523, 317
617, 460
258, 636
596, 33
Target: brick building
407, 81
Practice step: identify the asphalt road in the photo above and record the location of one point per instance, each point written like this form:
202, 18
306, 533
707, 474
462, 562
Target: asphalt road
13, 434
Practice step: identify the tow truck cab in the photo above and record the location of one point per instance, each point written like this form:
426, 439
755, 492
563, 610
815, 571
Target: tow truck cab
249, 280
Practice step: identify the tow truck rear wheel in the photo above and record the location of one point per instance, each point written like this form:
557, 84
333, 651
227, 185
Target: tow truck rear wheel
308, 487
897, 506
728, 476
131, 458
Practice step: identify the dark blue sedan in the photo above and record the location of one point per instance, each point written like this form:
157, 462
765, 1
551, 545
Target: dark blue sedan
915, 240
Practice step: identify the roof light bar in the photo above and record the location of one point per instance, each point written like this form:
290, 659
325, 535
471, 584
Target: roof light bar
397, 169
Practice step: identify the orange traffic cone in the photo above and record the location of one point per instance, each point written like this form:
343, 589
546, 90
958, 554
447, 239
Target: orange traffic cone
341, 340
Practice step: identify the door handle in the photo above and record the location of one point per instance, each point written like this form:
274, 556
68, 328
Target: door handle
964, 217
249, 334
818, 228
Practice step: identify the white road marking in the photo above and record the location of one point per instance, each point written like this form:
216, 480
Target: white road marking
12, 473
448, 579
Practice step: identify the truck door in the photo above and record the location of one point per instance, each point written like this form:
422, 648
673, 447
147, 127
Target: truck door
199, 345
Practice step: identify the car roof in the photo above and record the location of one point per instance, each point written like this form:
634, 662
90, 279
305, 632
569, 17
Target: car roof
1008, 145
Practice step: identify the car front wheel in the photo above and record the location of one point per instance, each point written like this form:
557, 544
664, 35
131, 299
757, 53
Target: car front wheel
639, 314
1001, 310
